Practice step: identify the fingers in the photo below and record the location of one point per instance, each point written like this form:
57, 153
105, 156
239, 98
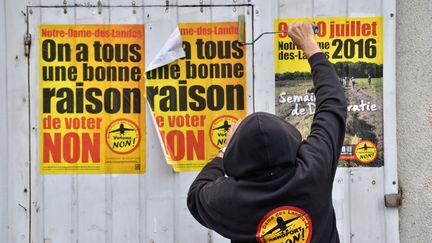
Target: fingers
303, 36
301, 32
305, 27
234, 128
232, 131
236, 124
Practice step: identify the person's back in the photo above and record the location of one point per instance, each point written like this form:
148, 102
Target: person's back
278, 187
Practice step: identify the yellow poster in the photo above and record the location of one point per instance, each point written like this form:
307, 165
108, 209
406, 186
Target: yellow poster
342, 39
92, 102
355, 46
196, 99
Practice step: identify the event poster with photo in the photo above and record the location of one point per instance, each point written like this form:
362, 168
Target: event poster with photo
196, 99
355, 46
92, 100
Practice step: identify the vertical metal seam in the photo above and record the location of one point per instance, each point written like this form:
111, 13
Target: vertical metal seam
142, 204
75, 194
29, 134
5, 105
109, 186
350, 181
253, 58
347, 8
43, 179
313, 9
175, 182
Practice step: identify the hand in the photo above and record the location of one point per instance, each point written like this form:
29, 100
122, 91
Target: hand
229, 136
232, 131
303, 36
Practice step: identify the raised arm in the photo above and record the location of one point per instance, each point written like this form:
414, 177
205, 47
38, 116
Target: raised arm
328, 126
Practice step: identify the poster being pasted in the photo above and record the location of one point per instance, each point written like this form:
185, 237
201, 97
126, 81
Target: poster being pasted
355, 47
92, 103
196, 99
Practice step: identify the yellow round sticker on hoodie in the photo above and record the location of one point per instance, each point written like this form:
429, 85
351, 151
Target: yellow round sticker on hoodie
285, 224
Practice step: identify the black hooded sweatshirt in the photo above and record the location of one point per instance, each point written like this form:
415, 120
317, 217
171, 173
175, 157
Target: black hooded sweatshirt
270, 185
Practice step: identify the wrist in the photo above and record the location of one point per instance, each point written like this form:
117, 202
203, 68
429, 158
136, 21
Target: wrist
311, 47
221, 152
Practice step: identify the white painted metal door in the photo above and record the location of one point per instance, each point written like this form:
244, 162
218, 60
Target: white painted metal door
120, 208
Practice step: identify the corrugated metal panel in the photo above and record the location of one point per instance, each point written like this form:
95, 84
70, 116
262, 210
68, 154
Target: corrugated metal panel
119, 208
14, 126
358, 192
391, 185
3, 127
93, 208
152, 207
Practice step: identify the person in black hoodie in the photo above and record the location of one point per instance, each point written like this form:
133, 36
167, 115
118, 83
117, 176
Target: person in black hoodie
270, 185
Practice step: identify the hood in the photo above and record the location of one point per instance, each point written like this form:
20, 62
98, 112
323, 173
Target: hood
261, 142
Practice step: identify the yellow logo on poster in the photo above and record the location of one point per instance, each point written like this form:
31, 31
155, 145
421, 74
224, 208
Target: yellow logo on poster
366, 151
122, 136
219, 130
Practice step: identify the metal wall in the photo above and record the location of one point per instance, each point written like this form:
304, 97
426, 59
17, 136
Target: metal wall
152, 207
14, 125
3, 126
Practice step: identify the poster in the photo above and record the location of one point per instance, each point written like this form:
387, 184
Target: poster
355, 47
196, 99
92, 103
